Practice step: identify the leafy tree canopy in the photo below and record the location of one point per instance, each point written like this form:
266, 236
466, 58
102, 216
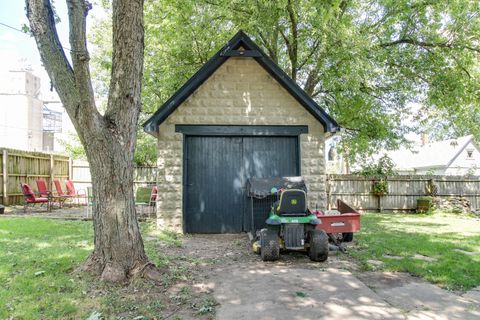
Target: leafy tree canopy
363, 61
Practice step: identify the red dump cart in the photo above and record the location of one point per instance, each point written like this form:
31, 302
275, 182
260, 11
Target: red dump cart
344, 220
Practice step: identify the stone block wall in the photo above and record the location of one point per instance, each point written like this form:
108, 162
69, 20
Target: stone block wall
240, 92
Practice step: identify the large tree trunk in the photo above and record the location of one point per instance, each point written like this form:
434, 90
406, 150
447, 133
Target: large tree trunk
118, 251
109, 139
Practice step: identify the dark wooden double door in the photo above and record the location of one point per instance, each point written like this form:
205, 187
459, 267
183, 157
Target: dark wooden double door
216, 170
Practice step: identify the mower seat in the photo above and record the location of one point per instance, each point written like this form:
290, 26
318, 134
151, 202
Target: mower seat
293, 202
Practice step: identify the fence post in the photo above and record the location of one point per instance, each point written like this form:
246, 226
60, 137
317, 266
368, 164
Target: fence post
329, 193
70, 169
5, 176
52, 162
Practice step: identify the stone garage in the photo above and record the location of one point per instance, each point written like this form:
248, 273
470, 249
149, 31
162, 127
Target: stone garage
239, 116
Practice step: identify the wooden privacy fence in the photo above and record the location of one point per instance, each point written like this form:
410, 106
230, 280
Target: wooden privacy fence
22, 166
25, 166
143, 176
403, 191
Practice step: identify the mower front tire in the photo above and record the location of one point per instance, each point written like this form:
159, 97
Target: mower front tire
270, 245
318, 245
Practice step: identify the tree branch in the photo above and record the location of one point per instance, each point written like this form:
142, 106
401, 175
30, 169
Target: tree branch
395, 11
315, 46
271, 51
404, 69
69, 82
123, 105
343, 8
316, 93
370, 92
77, 11
42, 24
240, 9
312, 81
414, 42
293, 49
461, 66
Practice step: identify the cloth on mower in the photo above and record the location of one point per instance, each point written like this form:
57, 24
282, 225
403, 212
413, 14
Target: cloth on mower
261, 187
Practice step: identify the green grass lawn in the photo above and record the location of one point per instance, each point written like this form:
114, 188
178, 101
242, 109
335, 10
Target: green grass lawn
36, 263
37, 260
38, 257
434, 235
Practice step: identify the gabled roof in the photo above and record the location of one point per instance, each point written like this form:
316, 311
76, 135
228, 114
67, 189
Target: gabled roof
231, 49
434, 154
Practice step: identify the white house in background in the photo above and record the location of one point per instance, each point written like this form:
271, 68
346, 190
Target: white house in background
459, 156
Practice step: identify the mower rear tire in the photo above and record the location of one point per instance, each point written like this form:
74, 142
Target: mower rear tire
270, 245
318, 245
347, 237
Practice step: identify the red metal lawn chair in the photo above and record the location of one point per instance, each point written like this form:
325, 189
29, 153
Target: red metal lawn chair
80, 194
153, 199
153, 196
42, 188
146, 197
31, 198
60, 192
44, 193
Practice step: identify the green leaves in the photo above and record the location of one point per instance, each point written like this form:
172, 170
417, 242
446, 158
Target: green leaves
363, 61
384, 167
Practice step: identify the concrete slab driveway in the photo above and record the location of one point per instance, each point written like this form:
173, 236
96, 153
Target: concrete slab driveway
270, 291
275, 292
296, 288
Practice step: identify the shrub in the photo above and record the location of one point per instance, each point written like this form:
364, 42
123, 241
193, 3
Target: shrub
381, 170
380, 187
424, 204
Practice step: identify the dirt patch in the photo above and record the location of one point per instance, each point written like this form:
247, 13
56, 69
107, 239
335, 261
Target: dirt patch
375, 263
213, 249
230, 249
186, 291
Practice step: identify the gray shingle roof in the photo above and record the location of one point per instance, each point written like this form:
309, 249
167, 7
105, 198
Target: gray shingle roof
434, 154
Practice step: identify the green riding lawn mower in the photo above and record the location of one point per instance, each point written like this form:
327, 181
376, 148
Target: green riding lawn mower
290, 225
